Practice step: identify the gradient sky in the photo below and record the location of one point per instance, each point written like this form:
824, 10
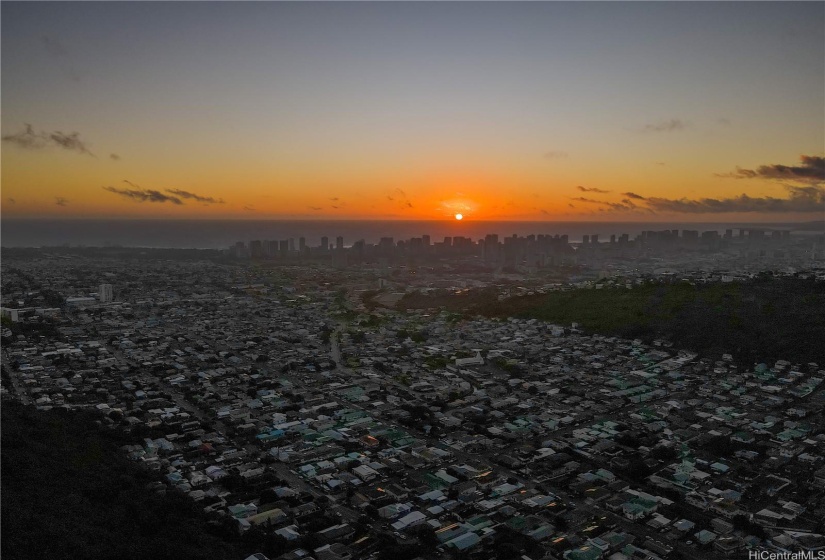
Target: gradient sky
523, 111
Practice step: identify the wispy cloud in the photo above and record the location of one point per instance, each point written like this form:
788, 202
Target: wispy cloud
11, 200
60, 201
592, 189
812, 169
139, 194
800, 199
625, 205
114, 157
670, 125
555, 154
316, 208
193, 196
30, 139
70, 142
633, 195
400, 198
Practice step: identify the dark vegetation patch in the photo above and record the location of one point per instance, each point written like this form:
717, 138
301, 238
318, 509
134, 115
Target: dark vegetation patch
68, 492
762, 320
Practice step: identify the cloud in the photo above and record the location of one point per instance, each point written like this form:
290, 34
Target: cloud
60, 201
633, 195
249, 208
800, 199
13, 201
671, 125
28, 138
400, 197
334, 199
555, 154
812, 169
138, 194
70, 142
545, 212
114, 157
315, 208
623, 206
193, 196
723, 122
32, 140
592, 189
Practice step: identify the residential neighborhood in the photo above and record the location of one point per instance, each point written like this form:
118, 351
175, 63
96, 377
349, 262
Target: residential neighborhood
281, 403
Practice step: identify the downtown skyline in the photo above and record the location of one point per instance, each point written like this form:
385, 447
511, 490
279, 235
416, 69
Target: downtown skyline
414, 111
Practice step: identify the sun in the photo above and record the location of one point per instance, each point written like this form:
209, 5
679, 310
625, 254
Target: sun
459, 217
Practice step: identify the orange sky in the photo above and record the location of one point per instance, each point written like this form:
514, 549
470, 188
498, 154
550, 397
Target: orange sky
545, 111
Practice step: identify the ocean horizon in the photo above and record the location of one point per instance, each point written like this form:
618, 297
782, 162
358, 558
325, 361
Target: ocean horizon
219, 234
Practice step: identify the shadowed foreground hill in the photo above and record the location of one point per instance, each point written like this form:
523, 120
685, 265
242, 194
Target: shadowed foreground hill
757, 321
69, 493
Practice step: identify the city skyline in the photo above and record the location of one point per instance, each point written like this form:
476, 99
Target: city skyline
328, 111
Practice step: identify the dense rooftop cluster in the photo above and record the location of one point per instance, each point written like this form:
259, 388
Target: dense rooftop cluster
274, 398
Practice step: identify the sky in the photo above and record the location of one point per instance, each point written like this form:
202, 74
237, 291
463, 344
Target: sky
692, 111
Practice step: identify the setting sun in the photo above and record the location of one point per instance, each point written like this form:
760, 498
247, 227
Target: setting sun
459, 217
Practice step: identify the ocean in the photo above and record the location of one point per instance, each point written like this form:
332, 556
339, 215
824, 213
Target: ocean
219, 234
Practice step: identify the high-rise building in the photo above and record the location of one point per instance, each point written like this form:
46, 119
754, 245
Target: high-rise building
256, 248
325, 243
339, 242
302, 244
105, 293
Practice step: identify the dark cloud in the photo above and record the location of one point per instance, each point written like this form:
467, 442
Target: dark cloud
143, 195
114, 157
812, 169
315, 208
13, 201
249, 208
592, 189
633, 195
400, 197
624, 206
60, 201
27, 138
70, 142
334, 199
800, 199
193, 196
671, 125
555, 154
30, 139
545, 212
